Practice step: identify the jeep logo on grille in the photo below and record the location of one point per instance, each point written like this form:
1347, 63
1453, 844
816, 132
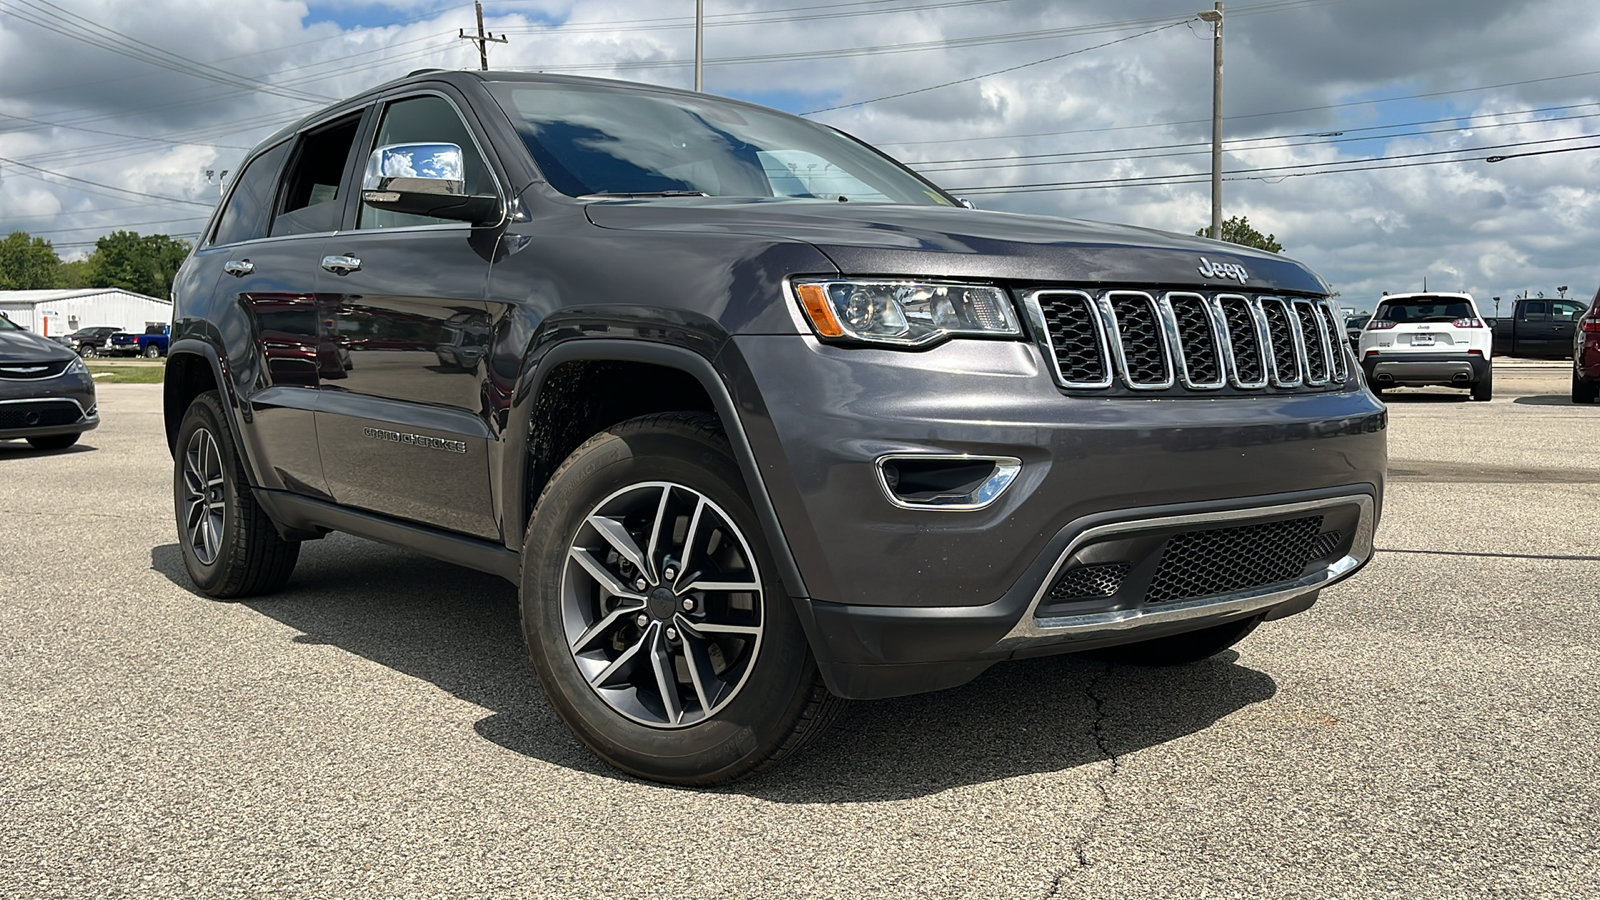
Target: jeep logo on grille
1223, 270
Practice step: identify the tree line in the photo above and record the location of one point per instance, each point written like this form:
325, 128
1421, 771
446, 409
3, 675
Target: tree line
144, 264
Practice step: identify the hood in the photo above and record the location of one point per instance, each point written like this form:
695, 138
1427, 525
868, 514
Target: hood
25, 346
950, 242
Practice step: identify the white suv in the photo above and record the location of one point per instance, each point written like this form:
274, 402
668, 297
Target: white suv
1428, 339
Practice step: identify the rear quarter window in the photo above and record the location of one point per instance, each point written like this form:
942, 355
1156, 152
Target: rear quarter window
249, 207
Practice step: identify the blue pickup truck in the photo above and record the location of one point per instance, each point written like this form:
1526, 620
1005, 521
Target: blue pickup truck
150, 345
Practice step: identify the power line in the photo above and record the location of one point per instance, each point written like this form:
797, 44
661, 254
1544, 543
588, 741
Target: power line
740, 19
110, 187
1354, 165
1036, 62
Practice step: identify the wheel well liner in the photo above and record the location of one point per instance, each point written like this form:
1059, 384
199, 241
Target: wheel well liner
190, 372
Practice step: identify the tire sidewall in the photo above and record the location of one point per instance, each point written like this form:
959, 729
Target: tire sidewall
740, 734
205, 412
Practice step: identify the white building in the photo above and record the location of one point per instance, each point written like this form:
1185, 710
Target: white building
61, 312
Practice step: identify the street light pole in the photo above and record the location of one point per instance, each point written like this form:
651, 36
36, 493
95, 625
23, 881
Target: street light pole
699, 44
1214, 16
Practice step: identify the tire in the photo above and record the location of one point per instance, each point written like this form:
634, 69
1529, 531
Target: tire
88, 351
54, 441
651, 699
1180, 649
229, 545
1483, 391
1583, 390
151, 351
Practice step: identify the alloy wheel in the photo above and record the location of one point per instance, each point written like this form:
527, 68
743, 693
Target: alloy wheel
661, 604
204, 502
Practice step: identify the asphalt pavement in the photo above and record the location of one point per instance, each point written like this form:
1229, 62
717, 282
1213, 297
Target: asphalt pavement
1429, 729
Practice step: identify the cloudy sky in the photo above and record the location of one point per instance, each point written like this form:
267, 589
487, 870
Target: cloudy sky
1357, 129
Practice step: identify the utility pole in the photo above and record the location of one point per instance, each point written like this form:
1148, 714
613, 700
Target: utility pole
1214, 16
483, 39
699, 45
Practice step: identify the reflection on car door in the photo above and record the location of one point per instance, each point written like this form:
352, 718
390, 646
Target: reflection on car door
404, 432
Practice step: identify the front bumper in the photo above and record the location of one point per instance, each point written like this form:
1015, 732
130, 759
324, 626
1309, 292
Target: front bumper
46, 407
1390, 369
948, 593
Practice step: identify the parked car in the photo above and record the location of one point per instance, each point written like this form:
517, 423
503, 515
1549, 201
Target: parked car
1586, 355
761, 419
90, 342
1539, 328
1352, 329
1417, 340
46, 394
150, 345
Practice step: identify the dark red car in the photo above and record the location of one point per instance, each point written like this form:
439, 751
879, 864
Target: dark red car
1586, 355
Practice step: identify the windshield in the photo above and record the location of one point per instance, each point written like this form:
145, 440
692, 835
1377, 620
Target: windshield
8, 325
1425, 309
596, 139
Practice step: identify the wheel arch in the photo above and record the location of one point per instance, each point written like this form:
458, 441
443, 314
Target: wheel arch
194, 367
688, 378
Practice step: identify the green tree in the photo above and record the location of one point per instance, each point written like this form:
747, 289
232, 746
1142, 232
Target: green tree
75, 274
142, 264
27, 263
1237, 230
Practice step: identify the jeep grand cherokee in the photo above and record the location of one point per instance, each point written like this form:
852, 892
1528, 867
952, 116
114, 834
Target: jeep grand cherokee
756, 418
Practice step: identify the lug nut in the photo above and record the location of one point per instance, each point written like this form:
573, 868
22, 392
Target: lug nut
688, 604
640, 585
672, 633
643, 620
670, 573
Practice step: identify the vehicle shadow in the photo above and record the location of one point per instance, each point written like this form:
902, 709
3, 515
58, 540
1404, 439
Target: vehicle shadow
1548, 400
20, 447
1390, 397
459, 630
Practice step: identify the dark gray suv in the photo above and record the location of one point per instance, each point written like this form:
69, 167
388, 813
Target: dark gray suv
757, 418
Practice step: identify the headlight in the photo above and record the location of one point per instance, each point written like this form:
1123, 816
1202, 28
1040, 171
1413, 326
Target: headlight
76, 367
906, 313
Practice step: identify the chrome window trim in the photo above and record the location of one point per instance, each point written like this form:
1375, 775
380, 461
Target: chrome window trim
1034, 310
1297, 348
1030, 629
1006, 469
1114, 330
1258, 324
1169, 321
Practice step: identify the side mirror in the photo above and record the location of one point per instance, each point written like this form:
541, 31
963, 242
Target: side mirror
424, 180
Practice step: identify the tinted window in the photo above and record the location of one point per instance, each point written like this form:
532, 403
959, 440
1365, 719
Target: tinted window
1424, 309
250, 204
311, 189
602, 140
429, 120
1566, 310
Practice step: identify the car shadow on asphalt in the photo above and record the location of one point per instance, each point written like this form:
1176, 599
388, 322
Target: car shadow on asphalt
21, 447
459, 630
1547, 400
1419, 397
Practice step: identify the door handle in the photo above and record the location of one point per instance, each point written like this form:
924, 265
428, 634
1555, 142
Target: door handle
238, 268
341, 265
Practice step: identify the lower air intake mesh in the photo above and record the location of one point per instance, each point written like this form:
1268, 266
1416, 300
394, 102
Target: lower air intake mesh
1224, 560
1091, 581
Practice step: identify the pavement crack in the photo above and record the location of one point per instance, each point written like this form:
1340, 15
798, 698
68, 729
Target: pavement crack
1102, 786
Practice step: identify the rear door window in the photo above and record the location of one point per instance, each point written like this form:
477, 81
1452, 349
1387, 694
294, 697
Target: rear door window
311, 202
250, 204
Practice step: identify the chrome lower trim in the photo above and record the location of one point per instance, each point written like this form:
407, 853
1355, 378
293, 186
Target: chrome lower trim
81, 412
1005, 472
1030, 629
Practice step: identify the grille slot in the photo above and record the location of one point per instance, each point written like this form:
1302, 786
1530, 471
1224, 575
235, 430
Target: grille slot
39, 414
1142, 349
1244, 342
1339, 369
1314, 341
1075, 340
1090, 582
1196, 340
1326, 544
1223, 560
1281, 343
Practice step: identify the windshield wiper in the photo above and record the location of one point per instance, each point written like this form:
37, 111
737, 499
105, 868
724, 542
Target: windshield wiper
631, 195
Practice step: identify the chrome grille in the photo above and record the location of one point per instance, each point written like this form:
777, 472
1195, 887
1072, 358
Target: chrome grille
1185, 340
